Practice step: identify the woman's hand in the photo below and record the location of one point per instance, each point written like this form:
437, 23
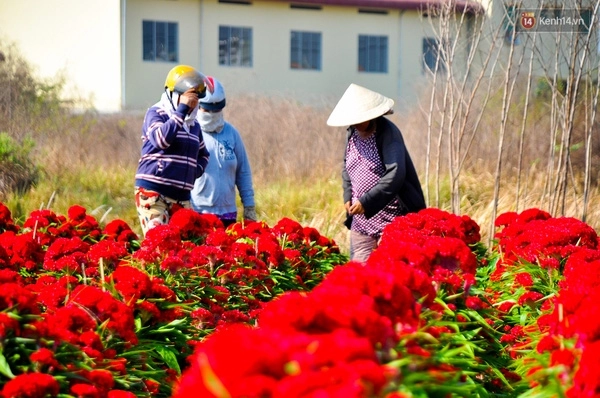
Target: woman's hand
190, 98
354, 208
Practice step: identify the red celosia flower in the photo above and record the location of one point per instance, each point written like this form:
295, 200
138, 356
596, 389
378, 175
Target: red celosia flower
44, 357
289, 230
102, 379
16, 297
530, 298
51, 292
524, 279
8, 326
67, 323
85, 390
83, 225
586, 382
158, 242
31, 385
172, 264
203, 318
6, 221
66, 254
119, 231
193, 225
22, 250
131, 283
111, 252
475, 303
160, 290
219, 238
152, 386
106, 308
340, 361
562, 357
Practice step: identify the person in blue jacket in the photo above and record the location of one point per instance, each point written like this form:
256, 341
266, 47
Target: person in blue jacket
215, 191
379, 179
173, 153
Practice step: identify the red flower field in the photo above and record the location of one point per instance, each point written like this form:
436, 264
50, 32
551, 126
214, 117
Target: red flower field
197, 310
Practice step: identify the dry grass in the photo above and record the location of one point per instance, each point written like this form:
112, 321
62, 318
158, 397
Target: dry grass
90, 160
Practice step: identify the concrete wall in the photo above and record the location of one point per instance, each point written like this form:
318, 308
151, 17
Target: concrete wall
272, 23
77, 39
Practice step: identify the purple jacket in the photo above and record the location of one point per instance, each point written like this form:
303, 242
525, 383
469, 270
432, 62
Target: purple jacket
171, 156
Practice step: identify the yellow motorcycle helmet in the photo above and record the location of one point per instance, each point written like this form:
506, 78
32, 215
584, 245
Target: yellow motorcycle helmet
183, 77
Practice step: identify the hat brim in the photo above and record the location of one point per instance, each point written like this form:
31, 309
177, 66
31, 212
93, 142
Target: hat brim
358, 105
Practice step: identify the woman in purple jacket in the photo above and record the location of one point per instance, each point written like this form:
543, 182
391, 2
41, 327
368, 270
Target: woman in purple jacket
379, 179
173, 152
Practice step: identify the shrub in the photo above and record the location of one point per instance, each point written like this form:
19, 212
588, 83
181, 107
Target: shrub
17, 171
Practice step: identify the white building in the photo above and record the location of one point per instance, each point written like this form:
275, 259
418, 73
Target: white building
118, 52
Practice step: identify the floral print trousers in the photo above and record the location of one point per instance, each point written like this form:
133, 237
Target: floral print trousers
155, 209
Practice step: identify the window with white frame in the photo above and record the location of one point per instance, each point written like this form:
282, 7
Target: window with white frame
160, 41
372, 53
235, 46
305, 50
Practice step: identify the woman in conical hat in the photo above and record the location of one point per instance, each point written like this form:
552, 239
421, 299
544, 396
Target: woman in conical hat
379, 179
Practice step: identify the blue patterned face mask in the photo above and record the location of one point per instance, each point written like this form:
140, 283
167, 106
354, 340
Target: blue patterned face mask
211, 122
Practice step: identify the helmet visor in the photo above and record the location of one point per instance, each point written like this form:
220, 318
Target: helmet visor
194, 80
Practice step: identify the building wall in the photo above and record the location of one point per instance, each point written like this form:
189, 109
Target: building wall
77, 39
97, 45
272, 23
144, 80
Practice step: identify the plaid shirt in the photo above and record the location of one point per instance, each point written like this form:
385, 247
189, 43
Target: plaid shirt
365, 168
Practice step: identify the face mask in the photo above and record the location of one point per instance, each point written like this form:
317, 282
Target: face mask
211, 122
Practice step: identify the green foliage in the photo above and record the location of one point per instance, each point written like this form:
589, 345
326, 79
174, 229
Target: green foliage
17, 171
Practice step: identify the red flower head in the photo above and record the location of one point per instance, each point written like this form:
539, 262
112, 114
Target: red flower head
106, 308
31, 385
6, 221
193, 225
82, 223
219, 238
45, 358
51, 292
16, 297
109, 251
158, 242
587, 379
289, 229
8, 326
22, 250
120, 231
66, 254
131, 283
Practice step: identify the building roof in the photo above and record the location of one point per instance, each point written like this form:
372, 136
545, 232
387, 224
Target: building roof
469, 6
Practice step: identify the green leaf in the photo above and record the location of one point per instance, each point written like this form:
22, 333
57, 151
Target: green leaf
4, 368
169, 356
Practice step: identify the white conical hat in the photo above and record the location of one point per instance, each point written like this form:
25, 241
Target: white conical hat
357, 105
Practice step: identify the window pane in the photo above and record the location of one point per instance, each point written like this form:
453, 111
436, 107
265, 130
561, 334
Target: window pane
432, 54
305, 50
224, 45
246, 47
372, 53
149, 53
160, 41
172, 42
235, 46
